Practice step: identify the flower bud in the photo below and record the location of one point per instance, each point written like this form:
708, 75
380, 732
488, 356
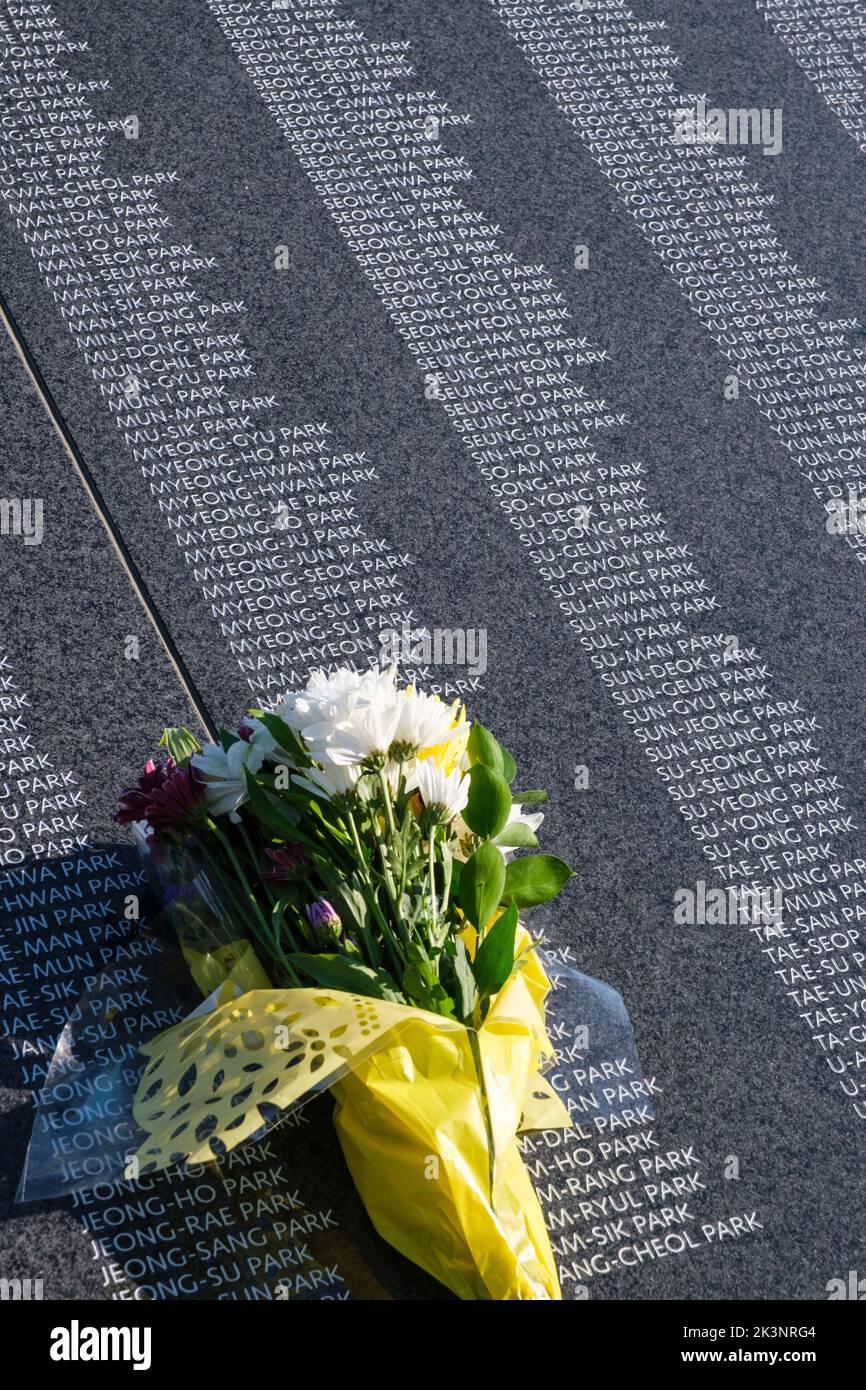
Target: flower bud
325, 923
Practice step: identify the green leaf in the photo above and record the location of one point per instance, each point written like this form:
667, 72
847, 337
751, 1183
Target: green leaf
489, 801
354, 912
180, 743
528, 798
265, 808
481, 883
455, 972
351, 904
456, 871
421, 982
494, 959
535, 878
509, 769
286, 738
346, 973
516, 836
281, 819
293, 800
482, 747
447, 859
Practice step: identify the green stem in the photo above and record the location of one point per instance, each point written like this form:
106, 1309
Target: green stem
238, 868
250, 850
356, 840
390, 885
278, 917
387, 934
389, 815
276, 927
389, 809
431, 864
389, 938
475, 1044
267, 937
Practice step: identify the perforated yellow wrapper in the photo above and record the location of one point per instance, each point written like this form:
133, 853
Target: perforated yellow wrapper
426, 1112
411, 1122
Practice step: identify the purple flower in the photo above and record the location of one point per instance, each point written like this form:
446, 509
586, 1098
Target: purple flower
178, 799
288, 862
246, 732
324, 921
133, 800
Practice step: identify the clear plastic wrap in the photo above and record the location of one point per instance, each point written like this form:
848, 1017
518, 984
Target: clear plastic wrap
147, 1081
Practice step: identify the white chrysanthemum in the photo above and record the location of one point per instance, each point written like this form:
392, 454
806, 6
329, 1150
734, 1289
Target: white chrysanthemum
330, 779
324, 692
358, 721
342, 716
380, 682
225, 784
444, 792
424, 720
401, 774
368, 730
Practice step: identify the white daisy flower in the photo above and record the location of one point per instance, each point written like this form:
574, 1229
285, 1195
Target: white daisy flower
343, 710
424, 720
331, 779
368, 730
444, 792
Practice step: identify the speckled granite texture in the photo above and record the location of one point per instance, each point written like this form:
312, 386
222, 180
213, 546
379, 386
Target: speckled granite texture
739, 1074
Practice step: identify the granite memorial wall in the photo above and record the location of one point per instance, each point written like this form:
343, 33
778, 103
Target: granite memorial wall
373, 322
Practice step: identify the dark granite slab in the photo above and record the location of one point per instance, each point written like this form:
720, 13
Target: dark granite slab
78, 717
740, 1075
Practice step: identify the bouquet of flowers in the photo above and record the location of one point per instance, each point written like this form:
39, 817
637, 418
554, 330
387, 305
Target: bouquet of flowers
342, 878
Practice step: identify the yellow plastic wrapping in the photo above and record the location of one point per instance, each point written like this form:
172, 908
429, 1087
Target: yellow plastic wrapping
412, 1126
427, 1113
236, 962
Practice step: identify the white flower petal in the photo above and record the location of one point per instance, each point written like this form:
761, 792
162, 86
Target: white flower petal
450, 790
